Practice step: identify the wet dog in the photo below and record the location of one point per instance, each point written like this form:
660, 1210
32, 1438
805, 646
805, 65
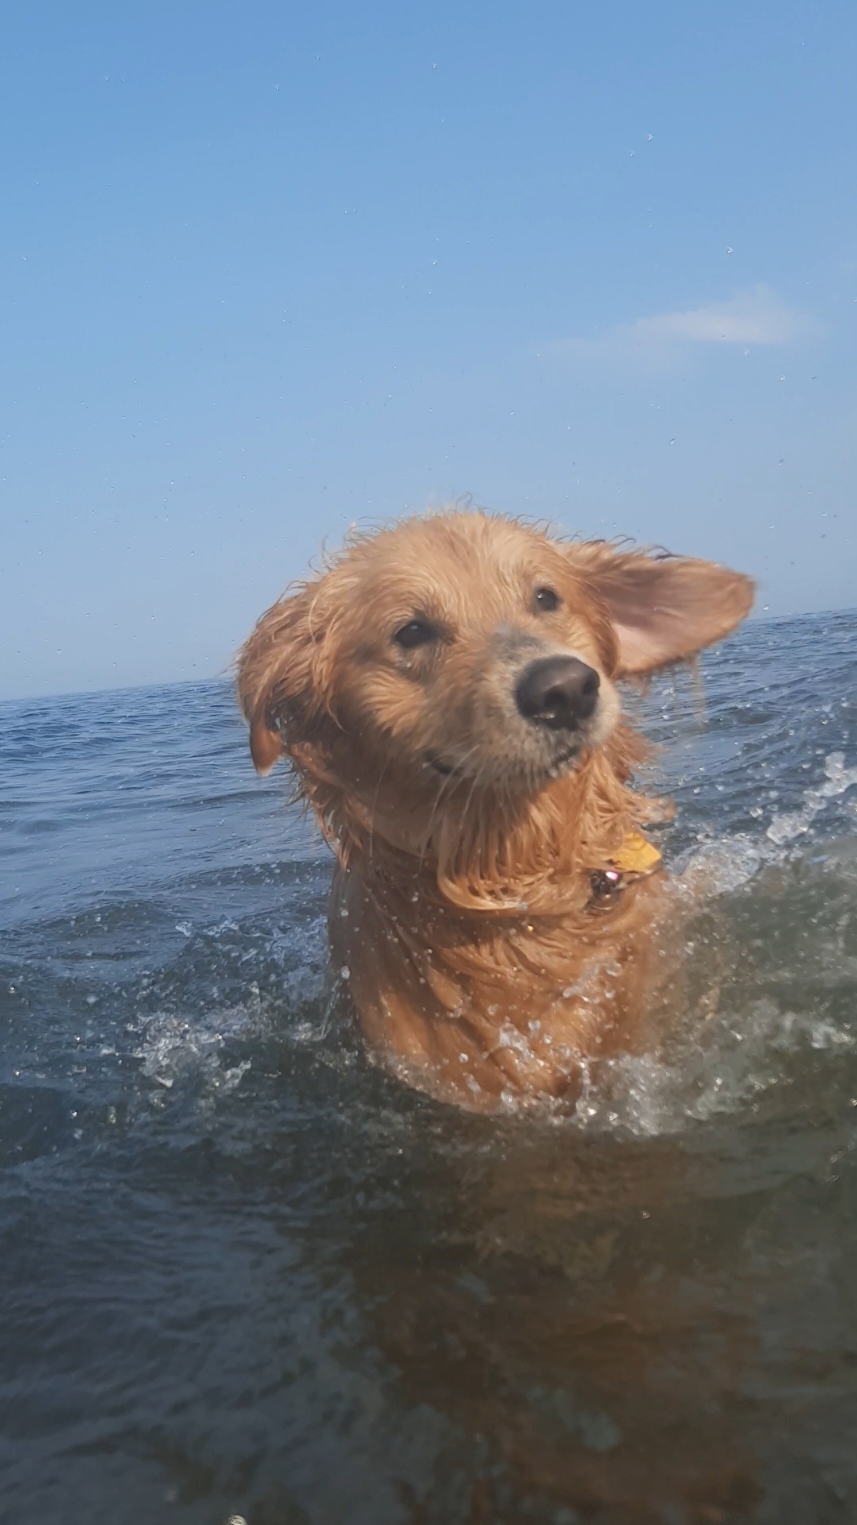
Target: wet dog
446, 691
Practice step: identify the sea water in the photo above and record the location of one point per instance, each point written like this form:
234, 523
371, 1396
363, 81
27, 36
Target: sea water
246, 1274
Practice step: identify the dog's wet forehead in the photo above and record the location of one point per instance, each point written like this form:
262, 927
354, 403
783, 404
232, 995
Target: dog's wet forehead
435, 571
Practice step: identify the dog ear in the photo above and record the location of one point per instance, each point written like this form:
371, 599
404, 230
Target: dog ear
278, 687
663, 608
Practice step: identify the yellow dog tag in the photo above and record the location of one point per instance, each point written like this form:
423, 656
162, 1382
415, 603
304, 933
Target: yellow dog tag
636, 855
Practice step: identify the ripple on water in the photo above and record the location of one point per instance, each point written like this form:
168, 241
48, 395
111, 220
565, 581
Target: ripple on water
247, 1273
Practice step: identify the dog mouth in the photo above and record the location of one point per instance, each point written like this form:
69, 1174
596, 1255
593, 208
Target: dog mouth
564, 762
554, 767
445, 769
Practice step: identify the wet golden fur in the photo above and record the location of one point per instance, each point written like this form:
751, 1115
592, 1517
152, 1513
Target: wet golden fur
465, 835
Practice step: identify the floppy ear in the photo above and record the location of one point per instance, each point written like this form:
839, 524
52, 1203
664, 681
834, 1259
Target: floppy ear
664, 608
278, 686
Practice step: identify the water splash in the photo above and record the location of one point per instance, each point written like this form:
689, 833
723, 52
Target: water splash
725, 864
174, 1048
736, 1062
788, 827
731, 1059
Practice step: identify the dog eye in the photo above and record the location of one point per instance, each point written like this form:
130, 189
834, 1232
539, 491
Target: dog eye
546, 600
415, 633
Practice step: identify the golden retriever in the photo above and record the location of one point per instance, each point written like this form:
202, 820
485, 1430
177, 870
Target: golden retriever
446, 693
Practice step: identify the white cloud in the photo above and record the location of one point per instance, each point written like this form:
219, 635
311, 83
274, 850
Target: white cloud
753, 317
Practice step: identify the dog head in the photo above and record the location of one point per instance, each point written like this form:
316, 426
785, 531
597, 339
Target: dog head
466, 648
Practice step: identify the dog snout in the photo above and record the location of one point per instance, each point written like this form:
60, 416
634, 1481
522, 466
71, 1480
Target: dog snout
559, 692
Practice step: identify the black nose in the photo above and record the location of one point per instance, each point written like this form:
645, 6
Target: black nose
558, 691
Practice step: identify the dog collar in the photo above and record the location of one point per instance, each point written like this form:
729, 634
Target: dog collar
635, 859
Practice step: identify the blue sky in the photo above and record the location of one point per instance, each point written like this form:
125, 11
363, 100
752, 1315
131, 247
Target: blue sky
270, 269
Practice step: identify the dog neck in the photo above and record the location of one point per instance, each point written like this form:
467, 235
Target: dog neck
473, 984
479, 956
491, 854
